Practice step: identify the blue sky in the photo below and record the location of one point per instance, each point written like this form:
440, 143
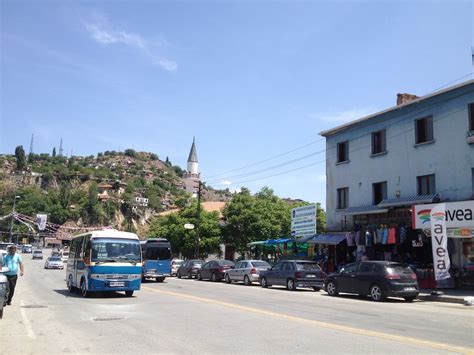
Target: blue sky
249, 79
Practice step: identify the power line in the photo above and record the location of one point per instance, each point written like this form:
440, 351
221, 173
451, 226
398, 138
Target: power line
268, 159
335, 156
411, 115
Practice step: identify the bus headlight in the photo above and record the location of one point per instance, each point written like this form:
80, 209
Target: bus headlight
98, 277
134, 276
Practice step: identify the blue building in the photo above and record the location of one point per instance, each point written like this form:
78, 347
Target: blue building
419, 151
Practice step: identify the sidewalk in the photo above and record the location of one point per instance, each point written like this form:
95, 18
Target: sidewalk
449, 295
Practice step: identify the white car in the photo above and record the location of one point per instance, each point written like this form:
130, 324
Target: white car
65, 256
54, 262
175, 264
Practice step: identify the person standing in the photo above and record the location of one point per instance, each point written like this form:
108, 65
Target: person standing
12, 261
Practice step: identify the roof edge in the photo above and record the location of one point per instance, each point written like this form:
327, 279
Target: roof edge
337, 129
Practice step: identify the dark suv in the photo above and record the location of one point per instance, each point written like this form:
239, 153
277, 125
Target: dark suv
293, 274
378, 279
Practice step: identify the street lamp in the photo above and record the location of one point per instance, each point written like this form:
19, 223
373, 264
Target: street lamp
13, 217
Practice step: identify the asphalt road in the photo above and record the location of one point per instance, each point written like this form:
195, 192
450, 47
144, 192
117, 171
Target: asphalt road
189, 316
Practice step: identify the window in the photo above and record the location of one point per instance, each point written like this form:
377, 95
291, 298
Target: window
278, 266
342, 198
243, 265
366, 267
424, 130
379, 144
426, 184
351, 268
343, 151
379, 192
471, 117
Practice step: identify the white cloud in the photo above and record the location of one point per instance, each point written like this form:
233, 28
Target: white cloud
226, 182
106, 36
346, 115
321, 178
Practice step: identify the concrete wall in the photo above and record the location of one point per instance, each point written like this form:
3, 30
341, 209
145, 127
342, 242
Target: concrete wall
449, 157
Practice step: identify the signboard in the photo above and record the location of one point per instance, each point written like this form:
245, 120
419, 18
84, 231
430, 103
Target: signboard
458, 215
189, 226
41, 219
141, 201
303, 221
439, 241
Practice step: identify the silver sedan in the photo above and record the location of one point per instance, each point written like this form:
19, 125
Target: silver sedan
246, 271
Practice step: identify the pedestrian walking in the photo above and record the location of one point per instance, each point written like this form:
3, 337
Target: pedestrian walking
13, 261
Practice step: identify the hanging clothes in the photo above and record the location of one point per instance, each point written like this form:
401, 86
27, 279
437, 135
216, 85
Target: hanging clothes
403, 234
385, 236
368, 239
350, 239
391, 236
380, 235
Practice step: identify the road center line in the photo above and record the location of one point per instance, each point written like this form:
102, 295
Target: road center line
326, 325
26, 322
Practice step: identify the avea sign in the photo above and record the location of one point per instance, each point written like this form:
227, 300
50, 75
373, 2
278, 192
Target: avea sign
457, 215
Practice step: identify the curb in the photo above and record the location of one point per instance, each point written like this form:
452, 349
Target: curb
442, 298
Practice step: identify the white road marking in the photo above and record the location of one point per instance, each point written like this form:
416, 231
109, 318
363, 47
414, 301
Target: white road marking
26, 322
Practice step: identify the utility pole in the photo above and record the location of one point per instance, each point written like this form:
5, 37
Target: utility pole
198, 220
10, 238
61, 148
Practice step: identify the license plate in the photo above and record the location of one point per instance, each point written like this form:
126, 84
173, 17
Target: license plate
116, 284
310, 275
409, 289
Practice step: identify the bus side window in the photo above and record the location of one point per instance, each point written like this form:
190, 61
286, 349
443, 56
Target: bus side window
87, 249
72, 250
80, 242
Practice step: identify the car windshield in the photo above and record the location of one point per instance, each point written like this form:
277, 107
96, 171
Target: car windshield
260, 264
307, 266
37, 252
54, 259
115, 249
66, 253
226, 262
398, 269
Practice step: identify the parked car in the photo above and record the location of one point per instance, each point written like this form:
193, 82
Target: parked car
247, 271
37, 254
175, 264
293, 274
189, 268
54, 262
214, 270
2, 254
378, 279
26, 249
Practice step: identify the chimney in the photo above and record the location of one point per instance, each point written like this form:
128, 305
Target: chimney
405, 98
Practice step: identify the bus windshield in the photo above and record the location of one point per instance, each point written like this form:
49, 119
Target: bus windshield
109, 249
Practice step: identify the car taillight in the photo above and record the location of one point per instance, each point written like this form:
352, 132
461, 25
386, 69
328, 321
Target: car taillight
221, 269
323, 274
253, 271
297, 274
413, 276
392, 277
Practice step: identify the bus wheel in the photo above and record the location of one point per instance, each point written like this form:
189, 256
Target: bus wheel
160, 279
129, 293
84, 291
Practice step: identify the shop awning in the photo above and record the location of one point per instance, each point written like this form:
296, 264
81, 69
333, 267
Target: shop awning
351, 211
271, 242
409, 200
328, 239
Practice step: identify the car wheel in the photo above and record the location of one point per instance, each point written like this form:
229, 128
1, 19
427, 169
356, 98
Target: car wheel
317, 289
84, 291
1, 313
178, 275
159, 279
129, 293
227, 279
70, 288
198, 276
331, 288
247, 280
410, 298
376, 293
290, 284
213, 277
264, 282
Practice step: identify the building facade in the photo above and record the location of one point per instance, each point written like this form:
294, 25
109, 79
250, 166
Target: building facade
418, 152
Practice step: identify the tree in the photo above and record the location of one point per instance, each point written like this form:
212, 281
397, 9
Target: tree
320, 219
20, 157
130, 153
184, 240
92, 211
167, 162
54, 152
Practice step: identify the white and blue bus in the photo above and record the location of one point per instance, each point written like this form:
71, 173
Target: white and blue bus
104, 260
